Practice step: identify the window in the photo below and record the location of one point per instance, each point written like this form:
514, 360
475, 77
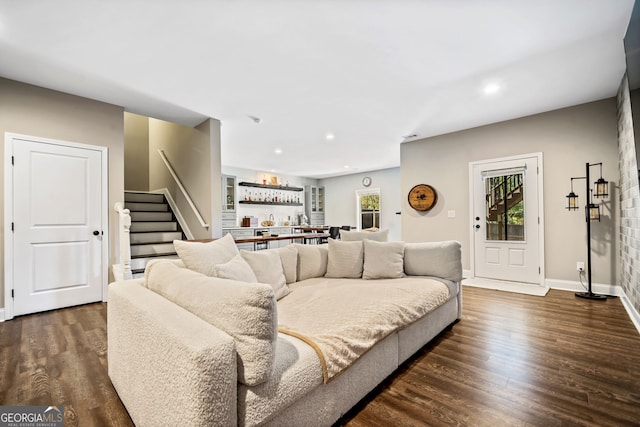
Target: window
368, 208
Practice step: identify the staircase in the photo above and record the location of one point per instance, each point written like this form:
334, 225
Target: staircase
507, 191
153, 229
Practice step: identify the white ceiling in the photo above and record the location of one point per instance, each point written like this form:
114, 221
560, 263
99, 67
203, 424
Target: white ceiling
367, 71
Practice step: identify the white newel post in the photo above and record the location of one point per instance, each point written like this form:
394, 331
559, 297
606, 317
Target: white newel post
122, 271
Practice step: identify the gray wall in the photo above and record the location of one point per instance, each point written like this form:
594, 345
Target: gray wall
136, 152
340, 198
41, 112
629, 200
568, 138
194, 153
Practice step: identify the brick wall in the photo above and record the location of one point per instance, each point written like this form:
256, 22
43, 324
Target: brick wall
629, 200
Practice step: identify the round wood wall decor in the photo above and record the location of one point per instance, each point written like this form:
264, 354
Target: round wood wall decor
422, 197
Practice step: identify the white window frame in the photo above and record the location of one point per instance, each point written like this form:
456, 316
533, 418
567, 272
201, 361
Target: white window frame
367, 192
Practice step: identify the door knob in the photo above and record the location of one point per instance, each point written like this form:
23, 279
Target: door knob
477, 218
477, 225
96, 233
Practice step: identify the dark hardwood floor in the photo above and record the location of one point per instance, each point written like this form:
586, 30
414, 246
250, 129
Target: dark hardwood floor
60, 358
518, 360
513, 360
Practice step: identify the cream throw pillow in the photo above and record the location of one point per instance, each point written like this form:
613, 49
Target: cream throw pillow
312, 261
378, 236
236, 269
246, 311
383, 260
439, 259
289, 259
268, 269
345, 259
203, 257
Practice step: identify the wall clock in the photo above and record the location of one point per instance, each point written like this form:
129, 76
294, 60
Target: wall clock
366, 181
422, 197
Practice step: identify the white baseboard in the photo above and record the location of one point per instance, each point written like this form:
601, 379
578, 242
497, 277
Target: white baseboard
633, 313
500, 285
575, 286
2, 319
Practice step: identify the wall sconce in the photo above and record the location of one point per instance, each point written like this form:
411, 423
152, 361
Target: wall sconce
592, 213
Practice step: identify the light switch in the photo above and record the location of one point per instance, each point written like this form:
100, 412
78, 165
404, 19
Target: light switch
451, 214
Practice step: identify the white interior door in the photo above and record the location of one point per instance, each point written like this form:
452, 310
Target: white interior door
506, 220
57, 221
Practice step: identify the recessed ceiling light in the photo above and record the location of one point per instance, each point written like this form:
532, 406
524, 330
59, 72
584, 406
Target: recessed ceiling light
278, 151
330, 137
346, 166
491, 88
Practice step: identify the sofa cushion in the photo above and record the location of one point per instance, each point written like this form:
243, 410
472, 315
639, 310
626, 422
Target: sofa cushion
202, 257
383, 260
439, 259
289, 259
236, 269
344, 259
296, 372
378, 236
312, 261
245, 311
268, 269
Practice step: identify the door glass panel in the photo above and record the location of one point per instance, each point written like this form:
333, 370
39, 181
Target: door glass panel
505, 207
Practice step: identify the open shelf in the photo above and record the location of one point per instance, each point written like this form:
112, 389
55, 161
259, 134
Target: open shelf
253, 202
271, 187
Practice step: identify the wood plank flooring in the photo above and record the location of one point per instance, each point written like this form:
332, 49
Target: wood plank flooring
513, 360
518, 360
60, 358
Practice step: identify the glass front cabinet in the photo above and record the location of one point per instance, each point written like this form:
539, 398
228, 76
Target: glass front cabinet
314, 204
228, 193
228, 201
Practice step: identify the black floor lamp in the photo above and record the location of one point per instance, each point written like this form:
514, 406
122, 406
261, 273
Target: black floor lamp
592, 213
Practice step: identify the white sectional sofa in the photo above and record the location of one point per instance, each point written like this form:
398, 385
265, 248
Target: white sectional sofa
285, 337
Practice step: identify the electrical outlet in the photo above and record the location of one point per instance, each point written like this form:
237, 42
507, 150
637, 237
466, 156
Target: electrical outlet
580, 266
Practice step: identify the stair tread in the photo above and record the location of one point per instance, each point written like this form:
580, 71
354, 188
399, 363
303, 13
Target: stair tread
147, 232
160, 242
153, 255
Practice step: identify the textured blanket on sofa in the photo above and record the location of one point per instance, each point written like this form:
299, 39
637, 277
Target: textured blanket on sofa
343, 318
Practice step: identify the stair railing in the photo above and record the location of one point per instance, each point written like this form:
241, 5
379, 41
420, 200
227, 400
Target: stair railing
182, 189
122, 271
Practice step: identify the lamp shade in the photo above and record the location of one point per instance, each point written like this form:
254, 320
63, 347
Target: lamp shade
601, 188
572, 201
594, 212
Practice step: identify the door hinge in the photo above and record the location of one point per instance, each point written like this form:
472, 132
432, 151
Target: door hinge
13, 160
12, 226
539, 270
12, 296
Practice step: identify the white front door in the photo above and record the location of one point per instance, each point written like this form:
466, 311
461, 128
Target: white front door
506, 219
57, 240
